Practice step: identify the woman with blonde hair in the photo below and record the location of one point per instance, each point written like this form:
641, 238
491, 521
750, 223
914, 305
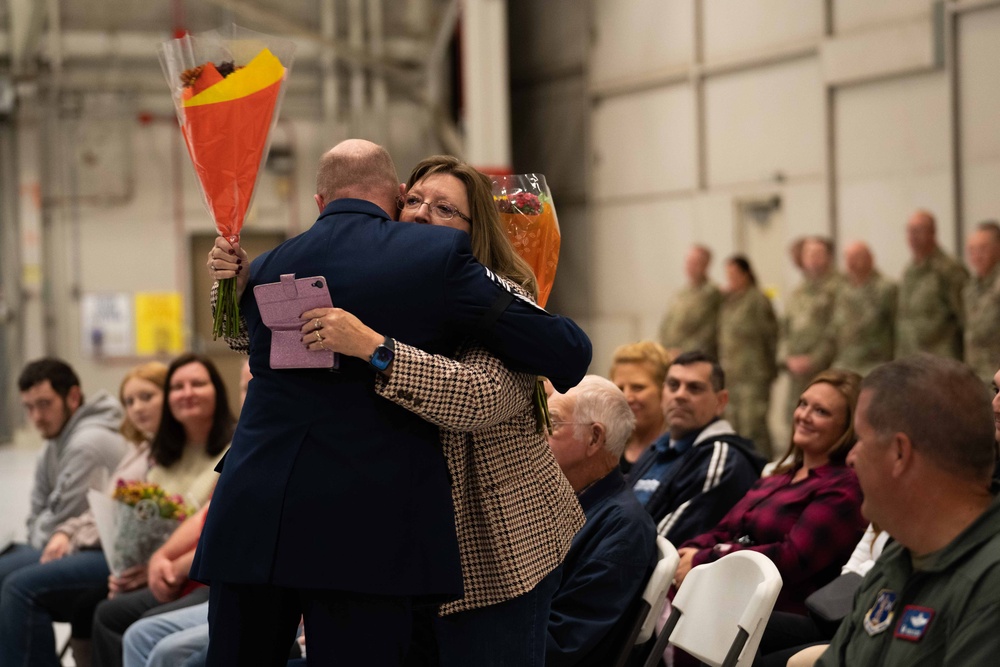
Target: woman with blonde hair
806, 515
639, 370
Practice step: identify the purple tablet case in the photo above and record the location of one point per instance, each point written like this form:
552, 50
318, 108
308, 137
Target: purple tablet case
281, 305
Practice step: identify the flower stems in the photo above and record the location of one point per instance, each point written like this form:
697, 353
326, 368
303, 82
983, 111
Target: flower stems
227, 311
542, 417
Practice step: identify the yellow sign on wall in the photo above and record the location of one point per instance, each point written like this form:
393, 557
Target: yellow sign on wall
159, 323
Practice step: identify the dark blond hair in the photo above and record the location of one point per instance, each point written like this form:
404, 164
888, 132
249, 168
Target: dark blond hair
652, 354
490, 244
152, 371
848, 385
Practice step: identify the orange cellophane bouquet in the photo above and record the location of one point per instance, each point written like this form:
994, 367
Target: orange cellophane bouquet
529, 217
227, 87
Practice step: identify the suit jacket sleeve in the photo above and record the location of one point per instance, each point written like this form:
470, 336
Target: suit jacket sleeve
526, 337
473, 393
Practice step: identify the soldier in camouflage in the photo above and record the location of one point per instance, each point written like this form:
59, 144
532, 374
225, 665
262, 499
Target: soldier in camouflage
748, 341
981, 299
693, 319
929, 316
864, 316
806, 332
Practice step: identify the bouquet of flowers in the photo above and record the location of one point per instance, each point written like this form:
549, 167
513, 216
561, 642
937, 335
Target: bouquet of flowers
227, 89
526, 209
135, 521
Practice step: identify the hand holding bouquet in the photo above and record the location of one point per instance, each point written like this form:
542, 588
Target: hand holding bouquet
227, 90
135, 521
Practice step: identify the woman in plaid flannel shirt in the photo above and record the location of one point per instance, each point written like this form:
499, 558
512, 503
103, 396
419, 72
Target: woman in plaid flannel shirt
806, 515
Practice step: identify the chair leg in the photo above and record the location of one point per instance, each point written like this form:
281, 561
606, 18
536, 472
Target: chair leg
81, 652
737, 647
656, 654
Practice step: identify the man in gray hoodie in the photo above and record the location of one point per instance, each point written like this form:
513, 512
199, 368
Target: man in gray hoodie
83, 446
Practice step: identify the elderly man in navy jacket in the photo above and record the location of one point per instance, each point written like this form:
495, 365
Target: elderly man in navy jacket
334, 503
614, 553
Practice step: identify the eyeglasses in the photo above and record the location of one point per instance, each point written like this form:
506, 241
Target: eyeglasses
557, 424
441, 210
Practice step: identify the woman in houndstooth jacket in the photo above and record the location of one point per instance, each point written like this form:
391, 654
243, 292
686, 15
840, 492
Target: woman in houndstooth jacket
515, 512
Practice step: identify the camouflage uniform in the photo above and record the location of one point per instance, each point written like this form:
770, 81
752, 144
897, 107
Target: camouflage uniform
864, 321
806, 330
929, 317
982, 324
693, 320
748, 341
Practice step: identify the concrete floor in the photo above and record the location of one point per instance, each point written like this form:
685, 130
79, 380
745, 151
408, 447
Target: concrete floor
17, 471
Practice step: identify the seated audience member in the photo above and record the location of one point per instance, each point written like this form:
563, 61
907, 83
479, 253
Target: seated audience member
166, 639
805, 516
194, 428
614, 553
638, 369
82, 447
49, 589
179, 636
700, 468
194, 434
925, 455
169, 590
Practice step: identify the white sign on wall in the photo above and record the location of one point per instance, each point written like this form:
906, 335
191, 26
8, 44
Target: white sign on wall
106, 324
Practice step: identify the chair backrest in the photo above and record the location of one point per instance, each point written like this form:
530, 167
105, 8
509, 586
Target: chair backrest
655, 594
639, 621
719, 599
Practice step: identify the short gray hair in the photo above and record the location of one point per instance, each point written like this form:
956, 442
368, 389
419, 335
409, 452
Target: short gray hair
597, 399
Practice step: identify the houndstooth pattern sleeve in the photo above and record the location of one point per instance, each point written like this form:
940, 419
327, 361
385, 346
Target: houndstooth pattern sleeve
240, 343
478, 393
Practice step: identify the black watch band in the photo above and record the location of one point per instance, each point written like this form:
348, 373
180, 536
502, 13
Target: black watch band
383, 355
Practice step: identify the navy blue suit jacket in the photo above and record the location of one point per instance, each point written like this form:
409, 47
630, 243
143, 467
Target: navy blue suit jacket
329, 486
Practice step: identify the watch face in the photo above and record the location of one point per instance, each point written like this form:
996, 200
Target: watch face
382, 357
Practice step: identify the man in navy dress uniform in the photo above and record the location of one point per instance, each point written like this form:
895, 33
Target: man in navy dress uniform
334, 503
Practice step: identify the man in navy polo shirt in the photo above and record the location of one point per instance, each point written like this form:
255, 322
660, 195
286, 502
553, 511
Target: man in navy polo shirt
689, 478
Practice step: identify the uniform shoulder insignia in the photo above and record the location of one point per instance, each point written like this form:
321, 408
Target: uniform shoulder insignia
879, 617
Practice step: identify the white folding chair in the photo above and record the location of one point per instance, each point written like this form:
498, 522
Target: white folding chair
654, 597
721, 609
